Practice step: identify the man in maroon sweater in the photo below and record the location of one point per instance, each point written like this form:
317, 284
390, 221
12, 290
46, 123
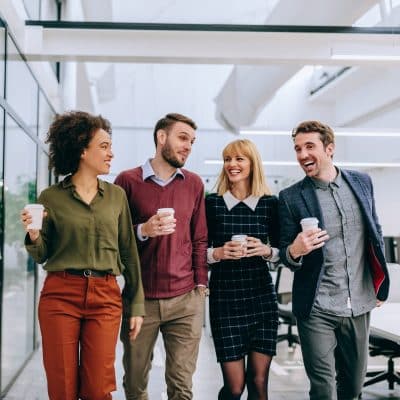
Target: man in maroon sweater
173, 259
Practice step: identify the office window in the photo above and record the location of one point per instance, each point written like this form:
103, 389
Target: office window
1, 186
2, 58
46, 115
21, 88
48, 10
32, 8
18, 302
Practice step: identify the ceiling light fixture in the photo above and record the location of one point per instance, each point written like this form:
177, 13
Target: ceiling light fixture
338, 132
338, 163
366, 57
263, 132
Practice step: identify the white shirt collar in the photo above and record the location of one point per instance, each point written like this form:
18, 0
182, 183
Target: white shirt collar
148, 172
231, 201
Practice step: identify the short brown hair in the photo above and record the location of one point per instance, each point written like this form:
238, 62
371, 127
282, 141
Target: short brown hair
169, 120
326, 133
69, 135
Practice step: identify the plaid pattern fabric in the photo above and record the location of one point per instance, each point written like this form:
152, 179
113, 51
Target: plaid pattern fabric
243, 305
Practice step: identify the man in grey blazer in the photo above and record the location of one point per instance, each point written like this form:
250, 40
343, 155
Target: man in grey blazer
340, 273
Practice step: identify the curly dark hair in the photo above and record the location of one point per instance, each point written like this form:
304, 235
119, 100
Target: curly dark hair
169, 120
69, 135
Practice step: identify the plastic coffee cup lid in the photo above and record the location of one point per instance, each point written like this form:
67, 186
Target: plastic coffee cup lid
309, 221
239, 238
38, 206
166, 209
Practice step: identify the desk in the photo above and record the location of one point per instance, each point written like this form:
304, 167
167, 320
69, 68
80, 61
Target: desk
384, 321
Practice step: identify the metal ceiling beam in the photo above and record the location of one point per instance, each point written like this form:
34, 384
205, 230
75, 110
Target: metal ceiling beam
206, 44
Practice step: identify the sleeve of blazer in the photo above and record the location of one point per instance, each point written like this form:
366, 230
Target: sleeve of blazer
289, 228
273, 229
375, 216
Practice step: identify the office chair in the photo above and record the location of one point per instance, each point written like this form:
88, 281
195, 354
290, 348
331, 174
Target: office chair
283, 287
379, 346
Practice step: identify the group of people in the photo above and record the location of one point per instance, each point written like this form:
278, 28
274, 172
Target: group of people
94, 231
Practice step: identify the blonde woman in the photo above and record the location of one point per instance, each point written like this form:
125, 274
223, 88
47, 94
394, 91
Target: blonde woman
243, 306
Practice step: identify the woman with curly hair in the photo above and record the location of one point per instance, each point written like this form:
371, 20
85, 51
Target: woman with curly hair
85, 242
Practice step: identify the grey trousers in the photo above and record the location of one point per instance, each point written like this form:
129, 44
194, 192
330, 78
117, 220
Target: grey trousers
180, 321
335, 354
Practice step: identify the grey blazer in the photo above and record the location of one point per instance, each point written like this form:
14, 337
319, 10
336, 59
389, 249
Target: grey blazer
300, 201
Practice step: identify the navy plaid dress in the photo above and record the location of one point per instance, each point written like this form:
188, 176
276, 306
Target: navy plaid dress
243, 304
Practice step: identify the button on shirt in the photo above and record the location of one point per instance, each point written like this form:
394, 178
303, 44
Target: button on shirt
98, 235
346, 287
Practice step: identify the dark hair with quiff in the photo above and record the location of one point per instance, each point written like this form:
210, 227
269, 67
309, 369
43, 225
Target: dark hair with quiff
69, 135
326, 133
169, 120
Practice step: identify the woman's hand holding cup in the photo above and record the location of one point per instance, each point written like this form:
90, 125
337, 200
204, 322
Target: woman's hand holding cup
255, 247
236, 248
32, 218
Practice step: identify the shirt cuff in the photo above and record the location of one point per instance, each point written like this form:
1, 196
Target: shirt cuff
29, 244
274, 257
210, 257
291, 261
139, 233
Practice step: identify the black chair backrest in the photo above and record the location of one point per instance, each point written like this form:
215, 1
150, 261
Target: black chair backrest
283, 285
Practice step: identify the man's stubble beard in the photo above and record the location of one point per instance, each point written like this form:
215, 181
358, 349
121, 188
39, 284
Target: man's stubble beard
168, 156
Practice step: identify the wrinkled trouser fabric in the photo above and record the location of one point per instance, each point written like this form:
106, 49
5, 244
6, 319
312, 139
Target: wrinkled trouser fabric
79, 320
335, 354
180, 321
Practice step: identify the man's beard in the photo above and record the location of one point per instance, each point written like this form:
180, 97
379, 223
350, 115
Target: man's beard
168, 156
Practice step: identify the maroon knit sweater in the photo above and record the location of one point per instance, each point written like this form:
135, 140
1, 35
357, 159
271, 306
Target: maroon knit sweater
173, 264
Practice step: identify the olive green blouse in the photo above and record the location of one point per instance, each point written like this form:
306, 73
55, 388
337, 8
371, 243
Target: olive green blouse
98, 235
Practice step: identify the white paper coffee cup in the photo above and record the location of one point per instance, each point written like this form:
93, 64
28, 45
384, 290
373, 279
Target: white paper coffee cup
169, 211
166, 218
242, 239
36, 211
309, 223
239, 238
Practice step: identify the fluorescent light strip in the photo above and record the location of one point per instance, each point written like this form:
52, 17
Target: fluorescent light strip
338, 163
338, 132
365, 57
366, 164
264, 132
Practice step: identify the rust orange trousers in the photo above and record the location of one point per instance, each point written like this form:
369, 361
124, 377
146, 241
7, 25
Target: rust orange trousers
79, 320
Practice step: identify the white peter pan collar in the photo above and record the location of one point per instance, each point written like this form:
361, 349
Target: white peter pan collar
231, 201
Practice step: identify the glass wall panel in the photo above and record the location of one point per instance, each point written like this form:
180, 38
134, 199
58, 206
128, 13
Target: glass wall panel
1, 188
46, 115
21, 88
48, 10
32, 8
2, 57
18, 302
43, 177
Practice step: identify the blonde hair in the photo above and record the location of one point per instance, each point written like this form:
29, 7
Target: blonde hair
244, 147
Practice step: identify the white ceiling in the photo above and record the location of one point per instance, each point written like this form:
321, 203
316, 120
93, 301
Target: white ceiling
227, 81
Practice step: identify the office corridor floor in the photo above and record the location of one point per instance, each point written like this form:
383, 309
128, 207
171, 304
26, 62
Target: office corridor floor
287, 380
